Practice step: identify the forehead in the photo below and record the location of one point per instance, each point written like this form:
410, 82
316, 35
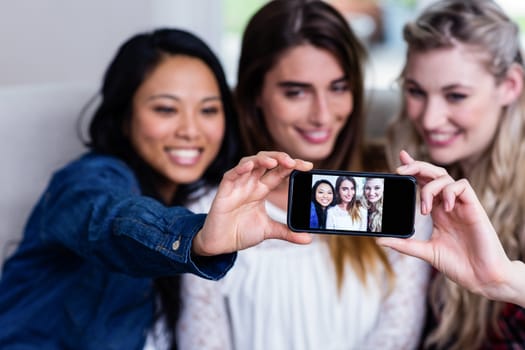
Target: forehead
347, 183
183, 70
456, 65
302, 63
374, 182
324, 186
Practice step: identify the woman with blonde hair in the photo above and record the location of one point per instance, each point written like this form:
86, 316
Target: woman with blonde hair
373, 194
300, 90
464, 109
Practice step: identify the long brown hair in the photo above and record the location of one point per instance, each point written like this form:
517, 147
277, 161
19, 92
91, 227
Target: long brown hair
465, 318
274, 29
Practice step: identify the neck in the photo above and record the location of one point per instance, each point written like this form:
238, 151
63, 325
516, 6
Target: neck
167, 191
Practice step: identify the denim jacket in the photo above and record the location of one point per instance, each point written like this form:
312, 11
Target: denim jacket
82, 277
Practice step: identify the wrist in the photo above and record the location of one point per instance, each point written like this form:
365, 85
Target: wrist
516, 283
196, 245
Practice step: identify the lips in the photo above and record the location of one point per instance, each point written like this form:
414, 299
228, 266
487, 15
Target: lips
441, 139
315, 136
185, 156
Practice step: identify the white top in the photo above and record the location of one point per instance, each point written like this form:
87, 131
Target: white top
283, 296
339, 219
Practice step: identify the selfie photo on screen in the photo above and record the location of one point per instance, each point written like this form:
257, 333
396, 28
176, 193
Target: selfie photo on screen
373, 197
349, 212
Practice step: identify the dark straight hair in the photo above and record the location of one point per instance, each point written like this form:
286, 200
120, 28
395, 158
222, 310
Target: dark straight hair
134, 60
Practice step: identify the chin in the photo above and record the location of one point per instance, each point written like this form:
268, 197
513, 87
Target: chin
442, 158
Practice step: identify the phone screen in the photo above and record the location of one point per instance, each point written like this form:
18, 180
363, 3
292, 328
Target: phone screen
342, 202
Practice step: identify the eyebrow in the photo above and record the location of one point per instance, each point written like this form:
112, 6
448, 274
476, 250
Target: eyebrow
176, 98
291, 83
444, 88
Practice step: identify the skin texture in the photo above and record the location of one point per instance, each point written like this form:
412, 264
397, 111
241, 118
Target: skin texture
346, 193
454, 102
374, 190
324, 194
178, 122
305, 108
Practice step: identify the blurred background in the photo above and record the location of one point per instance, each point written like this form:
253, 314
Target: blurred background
72, 41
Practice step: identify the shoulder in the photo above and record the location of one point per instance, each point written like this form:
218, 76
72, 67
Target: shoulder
92, 168
96, 161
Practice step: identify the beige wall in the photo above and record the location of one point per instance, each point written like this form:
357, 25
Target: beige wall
73, 41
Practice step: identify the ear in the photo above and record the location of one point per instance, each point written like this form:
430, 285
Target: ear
512, 85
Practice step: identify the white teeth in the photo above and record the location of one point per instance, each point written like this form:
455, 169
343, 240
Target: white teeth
439, 137
317, 134
184, 153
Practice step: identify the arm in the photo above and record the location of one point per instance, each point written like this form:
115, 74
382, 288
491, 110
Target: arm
95, 209
464, 245
203, 323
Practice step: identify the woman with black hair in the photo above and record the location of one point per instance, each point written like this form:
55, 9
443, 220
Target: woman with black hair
322, 198
98, 264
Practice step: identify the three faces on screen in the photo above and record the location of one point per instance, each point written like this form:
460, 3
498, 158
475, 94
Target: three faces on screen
347, 203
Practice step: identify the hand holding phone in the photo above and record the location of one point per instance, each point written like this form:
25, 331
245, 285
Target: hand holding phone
355, 203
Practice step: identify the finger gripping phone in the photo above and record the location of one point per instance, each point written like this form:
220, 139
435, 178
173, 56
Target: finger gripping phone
352, 203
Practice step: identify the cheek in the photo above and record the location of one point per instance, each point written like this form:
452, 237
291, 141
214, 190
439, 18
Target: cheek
145, 129
214, 130
278, 115
414, 107
342, 106
346, 106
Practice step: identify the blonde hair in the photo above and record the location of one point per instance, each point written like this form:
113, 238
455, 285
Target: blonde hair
464, 318
375, 211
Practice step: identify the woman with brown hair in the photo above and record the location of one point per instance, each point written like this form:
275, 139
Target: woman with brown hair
300, 90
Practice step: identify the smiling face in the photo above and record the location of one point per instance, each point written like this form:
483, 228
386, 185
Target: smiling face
346, 191
305, 101
454, 102
177, 124
374, 189
324, 194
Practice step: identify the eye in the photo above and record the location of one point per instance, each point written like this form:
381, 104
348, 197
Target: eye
165, 110
211, 110
415, 92
294, 92
455, 97
341, 86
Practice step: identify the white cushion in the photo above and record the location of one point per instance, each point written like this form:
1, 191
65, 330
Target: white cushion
38, 135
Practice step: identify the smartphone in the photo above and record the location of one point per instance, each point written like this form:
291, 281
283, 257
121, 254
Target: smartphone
353, 203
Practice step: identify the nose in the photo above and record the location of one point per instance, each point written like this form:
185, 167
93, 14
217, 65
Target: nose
320, 113
188, 126
434, 113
